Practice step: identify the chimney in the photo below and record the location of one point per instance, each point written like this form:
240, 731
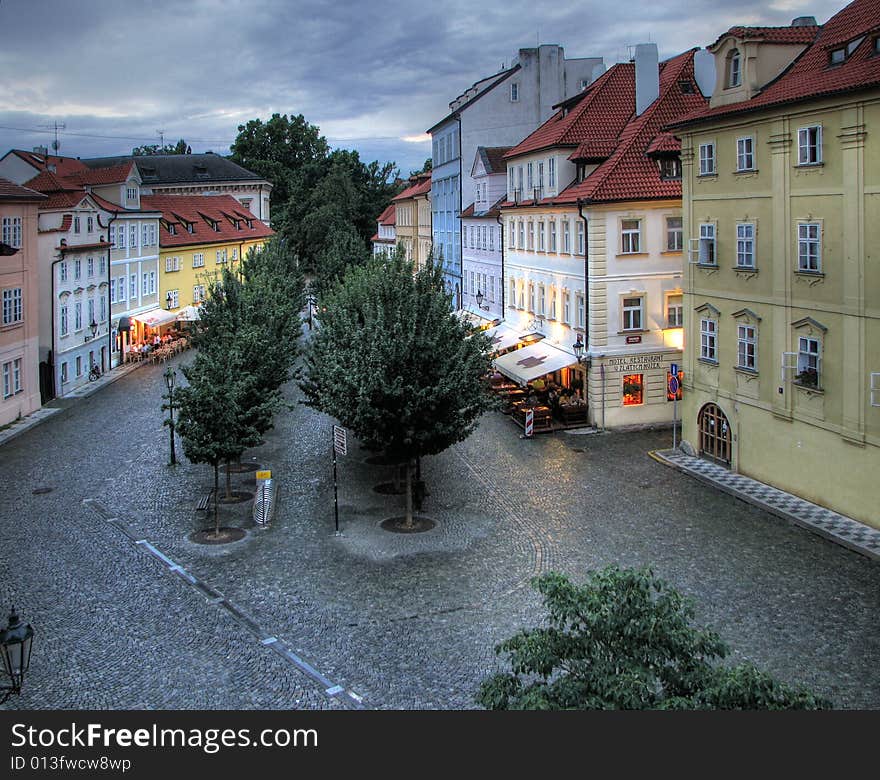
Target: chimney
647, 76
804, 21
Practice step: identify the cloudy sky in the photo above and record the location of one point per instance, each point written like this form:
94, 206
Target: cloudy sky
372, 75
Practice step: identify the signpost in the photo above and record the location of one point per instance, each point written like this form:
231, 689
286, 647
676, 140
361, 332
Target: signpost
673, 389
530, 423
340, 447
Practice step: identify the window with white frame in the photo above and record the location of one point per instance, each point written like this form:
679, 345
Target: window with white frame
708, 339
511, 234
809, 247
541, 236
540, 182
511, 182
552, 314
77, 316
13, 311
152, 283
581, 310
809, 361
221, 255
133, 287
707, 158
708, 255
522, 294
581, 246
133, 235
551, 172
633, 312
131, 193
522, 235
734, 68
492, 238
102, 265
674, 311
120, 237
120, 291
91, 310
542, 300
103, 308
512, 301
77, 224
77, 269
552, 235
532, 297
566, 236
566, 307
531, 235
745, 154
674, 237
175, 298
198, 293
530, 168
112, 235
810, 145
630, 236
172, 264
90, 224
62, 270
90, 266
12, 378
64, 320
745, 245
79, 365
482, 236
113, 290
491, 290
12, 231
746, 347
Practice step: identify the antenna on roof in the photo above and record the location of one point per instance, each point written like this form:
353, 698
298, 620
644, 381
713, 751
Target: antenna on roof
56, 126
161, 139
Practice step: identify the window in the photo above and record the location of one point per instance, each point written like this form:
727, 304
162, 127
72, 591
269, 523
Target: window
12, 231
633, 389
77, 316
63, 271
120, 288
90, 266
531, 178
707, 159
552, 235
746, 347
198, 293
511, 234
532, 307
630, 236
566, 236
734, 69
482, 237
221, 255
103, 309
512, 302
670, 168
542, 300
581, 310
522, 235
810, 145
175, 298
172, 264
674, 311
540, 183
91, 310
837, 56
152, 282
531, 235
112, 235
491, 239
120, 237
79, 365
514, 92
708, 336
809, 362
566, 307
491, 289
541, 236
102, 265
76, 224
809, 247
65, 324
581, 246
674, 239
511, 183
133, 287
64, 373
551, 172
131, 193
12, 378
77, 269
13, 312
133, 236
113, 291
745, 245
90, 224
707, 244
745, 154
198, 259
633, 313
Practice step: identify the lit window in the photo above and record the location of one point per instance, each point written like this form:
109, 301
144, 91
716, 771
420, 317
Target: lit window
674, 311
633, 389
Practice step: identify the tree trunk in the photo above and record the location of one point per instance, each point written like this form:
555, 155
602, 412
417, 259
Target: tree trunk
409, 507
216, 499
228, 481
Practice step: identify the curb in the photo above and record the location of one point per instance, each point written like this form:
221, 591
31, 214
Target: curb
792, 518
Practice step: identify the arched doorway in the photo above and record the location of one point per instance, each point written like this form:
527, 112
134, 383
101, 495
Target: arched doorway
715, 434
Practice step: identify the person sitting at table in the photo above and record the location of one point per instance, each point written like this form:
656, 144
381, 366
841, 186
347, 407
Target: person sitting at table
539, 384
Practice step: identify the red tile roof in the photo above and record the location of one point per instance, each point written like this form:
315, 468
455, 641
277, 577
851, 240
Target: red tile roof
180, 209
11, 191
63, 165
62, 200
66, 222
811, 76
600, 111
493, 158
786, 35
376, 240
98, 176
420, 187
389, 216
492, 212
664, 143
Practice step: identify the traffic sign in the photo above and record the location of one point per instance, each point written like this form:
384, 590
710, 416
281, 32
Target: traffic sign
673, 385
530, 422
340, 441
673, 369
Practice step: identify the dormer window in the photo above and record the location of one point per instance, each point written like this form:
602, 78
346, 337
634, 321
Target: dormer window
190, 228
172, 229
734, 69
837, 56
670, 168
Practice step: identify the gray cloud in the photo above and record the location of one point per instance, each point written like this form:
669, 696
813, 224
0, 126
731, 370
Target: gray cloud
367, 73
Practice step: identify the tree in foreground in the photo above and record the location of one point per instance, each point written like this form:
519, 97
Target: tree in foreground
625, 640
395, 365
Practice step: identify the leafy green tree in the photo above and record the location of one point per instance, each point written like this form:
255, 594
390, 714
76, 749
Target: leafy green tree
344, 249
625, 640
425, 168
395, 365
181, 147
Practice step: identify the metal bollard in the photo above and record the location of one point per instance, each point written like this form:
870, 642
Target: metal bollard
264, 502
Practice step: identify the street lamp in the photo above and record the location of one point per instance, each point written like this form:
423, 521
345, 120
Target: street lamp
15, 643
578, 348
168, 299
479, 298
93, 326
169, 383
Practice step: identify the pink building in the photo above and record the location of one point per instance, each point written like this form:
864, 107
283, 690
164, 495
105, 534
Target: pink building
19, 327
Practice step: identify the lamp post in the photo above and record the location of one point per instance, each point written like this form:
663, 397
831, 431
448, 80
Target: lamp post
169, 383
168, 299
15, 644
479, 299
93, 326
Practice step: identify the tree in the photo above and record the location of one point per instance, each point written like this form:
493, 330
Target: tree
395, 365
181, 147
429, 164
625, 640
343, 249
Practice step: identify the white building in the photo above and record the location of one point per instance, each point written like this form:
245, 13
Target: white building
385, 239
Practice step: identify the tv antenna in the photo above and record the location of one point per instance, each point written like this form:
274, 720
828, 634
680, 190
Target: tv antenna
56, 126
161, 139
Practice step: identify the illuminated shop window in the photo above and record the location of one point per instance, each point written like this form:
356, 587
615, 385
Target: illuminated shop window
633, 389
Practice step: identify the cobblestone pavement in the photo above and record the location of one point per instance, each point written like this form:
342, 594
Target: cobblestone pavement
404, 621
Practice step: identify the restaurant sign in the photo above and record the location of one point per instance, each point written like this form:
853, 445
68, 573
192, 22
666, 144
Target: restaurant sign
637, 363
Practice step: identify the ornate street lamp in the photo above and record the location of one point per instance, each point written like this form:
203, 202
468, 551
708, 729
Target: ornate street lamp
169, 376
93, 326
578, 348
15, 644
168, 299
479, 298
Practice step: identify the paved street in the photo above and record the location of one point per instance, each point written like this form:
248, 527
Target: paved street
401, 621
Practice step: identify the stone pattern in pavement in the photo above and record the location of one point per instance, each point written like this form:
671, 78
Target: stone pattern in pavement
405, 621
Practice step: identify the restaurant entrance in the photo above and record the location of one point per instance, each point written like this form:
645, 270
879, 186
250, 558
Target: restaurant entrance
714, 434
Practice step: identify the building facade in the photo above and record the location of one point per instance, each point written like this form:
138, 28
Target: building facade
385, 239
19, 289
782, 303
412, 219
601, 213
499, 110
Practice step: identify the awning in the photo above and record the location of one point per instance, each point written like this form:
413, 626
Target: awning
155, 317
124, 324
503, 337
189, 314
535, 360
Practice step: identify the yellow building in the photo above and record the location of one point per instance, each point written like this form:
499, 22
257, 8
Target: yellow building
782, 304
413, 219
198, 235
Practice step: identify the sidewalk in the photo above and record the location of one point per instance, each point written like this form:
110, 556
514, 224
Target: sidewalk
57, 405
838, 528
